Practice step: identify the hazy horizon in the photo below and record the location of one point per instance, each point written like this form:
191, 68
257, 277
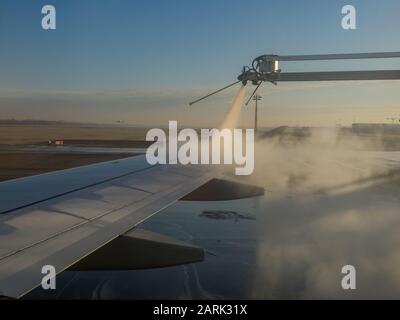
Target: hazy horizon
140, 65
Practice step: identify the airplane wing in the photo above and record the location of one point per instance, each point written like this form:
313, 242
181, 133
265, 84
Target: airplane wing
84, 218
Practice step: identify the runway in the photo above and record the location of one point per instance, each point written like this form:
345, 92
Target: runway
72, 149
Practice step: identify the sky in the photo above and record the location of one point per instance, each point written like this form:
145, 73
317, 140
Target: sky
141, 62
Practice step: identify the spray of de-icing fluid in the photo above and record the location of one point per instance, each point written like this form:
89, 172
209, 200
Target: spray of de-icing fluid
186, 147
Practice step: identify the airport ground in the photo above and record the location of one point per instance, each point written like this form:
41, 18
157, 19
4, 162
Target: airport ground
331, 200
24, 150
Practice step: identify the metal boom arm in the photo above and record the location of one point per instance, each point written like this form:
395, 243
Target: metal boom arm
341, 56
340, 75
265, 68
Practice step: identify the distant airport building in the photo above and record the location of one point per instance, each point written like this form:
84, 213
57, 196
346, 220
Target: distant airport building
374, 128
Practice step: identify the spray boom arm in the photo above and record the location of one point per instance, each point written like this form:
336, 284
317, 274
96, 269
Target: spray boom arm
266, 68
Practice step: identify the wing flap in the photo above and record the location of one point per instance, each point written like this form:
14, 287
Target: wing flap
21, 230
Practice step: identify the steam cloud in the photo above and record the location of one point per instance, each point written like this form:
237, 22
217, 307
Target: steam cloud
331, 202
